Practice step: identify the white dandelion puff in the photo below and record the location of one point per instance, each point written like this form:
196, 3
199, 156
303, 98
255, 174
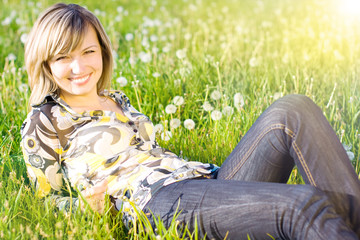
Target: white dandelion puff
347, 147
167, 48
253, 62
170, 109
154, 38
175, 123
187, 36
207, 106
120, 9
155, 50
132, 60
216, 115
177, 82
156, 74
122, 81
145, 42
189, 124
11, 57
228, 110
23, 87
166, 135
178, 100
181, 53
351, 155
277, 95
23, 38
129, 36
145, 57
239, 100
6, 21
216, 95
158, 128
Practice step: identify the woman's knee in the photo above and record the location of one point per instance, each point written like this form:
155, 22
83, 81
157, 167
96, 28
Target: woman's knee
311, 200
297, 105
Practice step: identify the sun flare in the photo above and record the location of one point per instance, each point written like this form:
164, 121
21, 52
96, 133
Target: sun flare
350, 6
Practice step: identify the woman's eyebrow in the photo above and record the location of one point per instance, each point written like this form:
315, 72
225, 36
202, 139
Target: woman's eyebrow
94, 45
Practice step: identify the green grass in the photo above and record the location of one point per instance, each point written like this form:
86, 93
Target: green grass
261, 49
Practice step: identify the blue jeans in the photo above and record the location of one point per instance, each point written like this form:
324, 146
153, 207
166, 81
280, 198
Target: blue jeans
250, 196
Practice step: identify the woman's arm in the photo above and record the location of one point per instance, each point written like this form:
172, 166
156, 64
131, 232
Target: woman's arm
42, 155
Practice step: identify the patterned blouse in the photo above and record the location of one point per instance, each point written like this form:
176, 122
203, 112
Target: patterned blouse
62, 146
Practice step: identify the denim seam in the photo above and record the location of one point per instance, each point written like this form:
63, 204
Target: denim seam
262, 134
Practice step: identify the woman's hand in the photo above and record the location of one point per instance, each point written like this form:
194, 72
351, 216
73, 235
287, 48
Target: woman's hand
95, 197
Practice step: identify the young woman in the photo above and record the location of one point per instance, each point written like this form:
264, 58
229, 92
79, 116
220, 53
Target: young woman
81, 138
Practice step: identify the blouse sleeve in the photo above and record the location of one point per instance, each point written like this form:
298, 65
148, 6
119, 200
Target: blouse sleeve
42, 152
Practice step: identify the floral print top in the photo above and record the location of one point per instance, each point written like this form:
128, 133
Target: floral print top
65, 151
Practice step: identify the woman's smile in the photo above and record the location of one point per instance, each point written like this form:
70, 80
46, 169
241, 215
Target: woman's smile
81, 80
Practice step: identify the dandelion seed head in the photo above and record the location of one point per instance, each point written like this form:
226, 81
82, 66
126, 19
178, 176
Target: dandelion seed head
228, 110
215, 95
166, 48
122, 81
216, 115
129, 36
156, 74
11, 57
277, 95
351, 155
239, 100
253, 62
6, 21
170, 109
145, 57
347, 147
23, 87
155, 50
178, 100
158, 128
187, 36
97, 12
154, 38
145, 42
189, 124
120, 9
166, 135
177, 82
207, 106
175, 123
132, 60
181, 53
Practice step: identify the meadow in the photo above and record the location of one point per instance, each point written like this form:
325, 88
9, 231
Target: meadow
203, 71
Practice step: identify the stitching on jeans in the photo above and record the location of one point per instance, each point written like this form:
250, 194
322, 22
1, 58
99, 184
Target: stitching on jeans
247, 154
296, 148
301, 157
303, 163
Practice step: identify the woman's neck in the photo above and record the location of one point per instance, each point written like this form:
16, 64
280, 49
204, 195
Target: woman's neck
89, 103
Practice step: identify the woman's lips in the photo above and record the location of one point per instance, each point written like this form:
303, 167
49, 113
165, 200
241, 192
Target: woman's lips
82, 80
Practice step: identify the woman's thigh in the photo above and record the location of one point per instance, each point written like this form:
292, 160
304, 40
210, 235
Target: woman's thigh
237, 209
291, 131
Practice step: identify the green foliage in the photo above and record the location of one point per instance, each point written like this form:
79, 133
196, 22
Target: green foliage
191, 48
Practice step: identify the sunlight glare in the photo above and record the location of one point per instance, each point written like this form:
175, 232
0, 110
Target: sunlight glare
350, 6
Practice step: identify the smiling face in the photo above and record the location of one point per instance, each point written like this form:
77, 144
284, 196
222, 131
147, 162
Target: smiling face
78, 72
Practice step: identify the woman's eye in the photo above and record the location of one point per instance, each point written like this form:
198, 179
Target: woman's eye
60, 58
89, 51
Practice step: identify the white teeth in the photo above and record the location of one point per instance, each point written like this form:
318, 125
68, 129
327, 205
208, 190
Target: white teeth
80, 80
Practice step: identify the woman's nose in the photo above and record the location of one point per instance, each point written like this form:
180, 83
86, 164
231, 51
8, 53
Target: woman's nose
76, 66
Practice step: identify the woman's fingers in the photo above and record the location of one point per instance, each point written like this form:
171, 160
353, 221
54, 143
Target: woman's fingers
95, 196
99, 188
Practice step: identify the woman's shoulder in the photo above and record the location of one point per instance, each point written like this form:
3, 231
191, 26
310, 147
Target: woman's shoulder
116, 94
40, 113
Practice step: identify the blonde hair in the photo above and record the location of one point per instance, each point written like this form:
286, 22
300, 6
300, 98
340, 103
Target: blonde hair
60, 29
